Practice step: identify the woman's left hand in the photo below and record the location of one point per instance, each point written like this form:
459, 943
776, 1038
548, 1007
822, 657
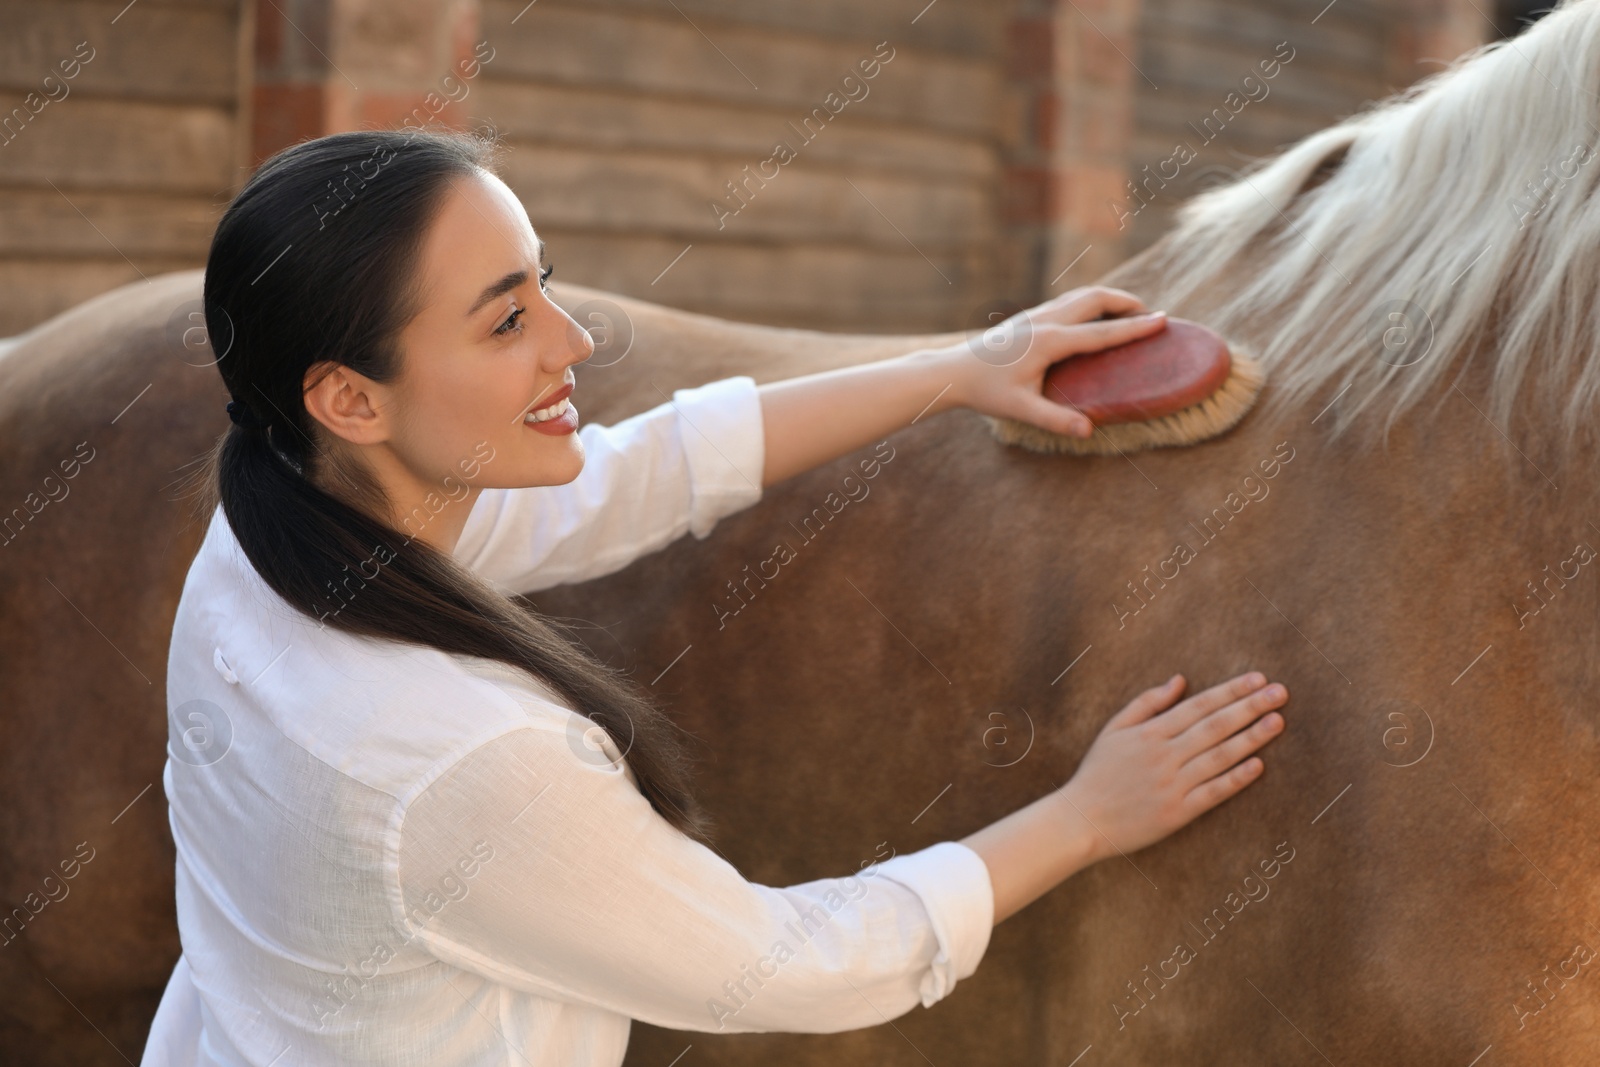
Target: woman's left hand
1001, 372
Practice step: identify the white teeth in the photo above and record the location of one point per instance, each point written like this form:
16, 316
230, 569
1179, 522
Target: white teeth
554, 411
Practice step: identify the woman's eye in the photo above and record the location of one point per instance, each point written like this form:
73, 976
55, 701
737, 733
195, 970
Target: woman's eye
512, 323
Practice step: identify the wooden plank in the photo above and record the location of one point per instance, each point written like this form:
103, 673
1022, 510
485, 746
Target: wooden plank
1299, 84
897, 318
583, 117
1212, 41
583, 46
96, 225
185, 54
630, 191
802, 281
976, 30
1296, 88
1205, 64
109, 144
1346, 23
1166, 122
39, 289
202, 5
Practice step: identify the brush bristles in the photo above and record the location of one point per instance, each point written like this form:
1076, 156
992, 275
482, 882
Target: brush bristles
1214, 415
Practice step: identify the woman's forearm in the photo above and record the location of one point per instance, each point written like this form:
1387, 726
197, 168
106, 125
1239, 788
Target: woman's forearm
818, 417
1033, 850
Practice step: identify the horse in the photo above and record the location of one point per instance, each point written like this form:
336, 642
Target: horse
900, 646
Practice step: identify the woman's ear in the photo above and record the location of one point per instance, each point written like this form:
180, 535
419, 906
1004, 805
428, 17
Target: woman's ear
347, 403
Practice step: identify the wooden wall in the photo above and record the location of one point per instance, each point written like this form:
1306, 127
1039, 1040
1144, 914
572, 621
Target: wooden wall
1347, 53
125, 168
989, 146
1198, 52
628, 119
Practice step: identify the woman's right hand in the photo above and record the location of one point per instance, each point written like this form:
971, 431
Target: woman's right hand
1152, 770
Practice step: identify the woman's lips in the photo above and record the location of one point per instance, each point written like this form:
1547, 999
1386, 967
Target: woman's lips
564, 423
551, 400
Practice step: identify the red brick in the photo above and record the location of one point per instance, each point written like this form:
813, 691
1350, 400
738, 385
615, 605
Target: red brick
1097, 127
1046, 120
1086, 193
1030, 49
283, 115
392, 110
269, 31
466, 30
1026, 195
1101, 65
1113, 16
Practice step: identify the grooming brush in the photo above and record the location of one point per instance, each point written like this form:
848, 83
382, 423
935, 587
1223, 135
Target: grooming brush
1176, 387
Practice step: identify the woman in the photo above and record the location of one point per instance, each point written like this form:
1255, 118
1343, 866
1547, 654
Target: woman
414, 824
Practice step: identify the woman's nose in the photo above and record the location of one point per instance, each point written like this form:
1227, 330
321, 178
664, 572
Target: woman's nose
585, 343
572, 344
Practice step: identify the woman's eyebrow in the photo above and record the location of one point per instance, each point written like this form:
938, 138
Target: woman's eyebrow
499, 288
504, 285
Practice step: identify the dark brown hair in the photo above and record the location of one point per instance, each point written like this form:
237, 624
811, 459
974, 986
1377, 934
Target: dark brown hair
317, 259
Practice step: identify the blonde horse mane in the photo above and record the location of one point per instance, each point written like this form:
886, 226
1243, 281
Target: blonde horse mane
1469, 195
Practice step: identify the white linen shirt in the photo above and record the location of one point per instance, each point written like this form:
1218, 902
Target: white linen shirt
388, 854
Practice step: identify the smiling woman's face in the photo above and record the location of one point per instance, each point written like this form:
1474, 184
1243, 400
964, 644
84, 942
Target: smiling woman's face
486, 348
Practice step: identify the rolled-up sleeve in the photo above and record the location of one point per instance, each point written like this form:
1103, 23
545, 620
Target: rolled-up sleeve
579, 891
679, 467
952, 881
